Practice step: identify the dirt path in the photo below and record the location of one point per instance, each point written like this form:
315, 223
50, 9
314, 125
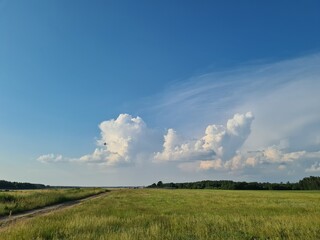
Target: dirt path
5, 220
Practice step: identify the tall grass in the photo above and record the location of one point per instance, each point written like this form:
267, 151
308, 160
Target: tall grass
181, 214
19, 201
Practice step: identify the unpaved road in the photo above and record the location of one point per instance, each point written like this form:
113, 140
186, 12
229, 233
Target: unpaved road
5, 220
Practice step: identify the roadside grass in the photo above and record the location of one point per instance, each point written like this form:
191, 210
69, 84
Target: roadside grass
22, 200
180, 214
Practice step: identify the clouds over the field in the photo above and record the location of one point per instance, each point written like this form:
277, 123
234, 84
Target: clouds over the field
126, 139
255, 120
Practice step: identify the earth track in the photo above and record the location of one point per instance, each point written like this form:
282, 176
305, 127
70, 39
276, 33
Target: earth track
5, 220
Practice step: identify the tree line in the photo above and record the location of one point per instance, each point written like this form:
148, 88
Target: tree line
6, 185
307, 183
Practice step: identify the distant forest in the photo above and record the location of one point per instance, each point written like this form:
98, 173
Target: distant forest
6, 185
308, 183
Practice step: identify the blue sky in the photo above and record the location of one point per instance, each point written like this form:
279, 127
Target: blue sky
68, 66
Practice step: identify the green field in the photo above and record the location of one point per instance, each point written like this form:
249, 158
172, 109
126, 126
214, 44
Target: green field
180, 214
22, 200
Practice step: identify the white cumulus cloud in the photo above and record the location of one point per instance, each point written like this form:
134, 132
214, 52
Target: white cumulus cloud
123, 140
218, 142
225, 141
174, 148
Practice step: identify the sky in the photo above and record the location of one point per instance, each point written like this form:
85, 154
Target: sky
114, 93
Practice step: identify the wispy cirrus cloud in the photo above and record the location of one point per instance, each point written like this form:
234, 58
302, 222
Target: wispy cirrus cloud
282, 86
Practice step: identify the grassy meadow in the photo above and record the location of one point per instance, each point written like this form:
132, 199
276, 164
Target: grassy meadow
180, 214
22, 200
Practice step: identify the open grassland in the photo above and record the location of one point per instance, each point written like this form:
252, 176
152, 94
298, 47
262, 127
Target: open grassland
23, 200
180, 214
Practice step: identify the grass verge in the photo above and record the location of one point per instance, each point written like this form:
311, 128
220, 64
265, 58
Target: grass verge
19, 201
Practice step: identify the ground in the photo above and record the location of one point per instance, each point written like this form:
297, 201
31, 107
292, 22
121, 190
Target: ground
180, 214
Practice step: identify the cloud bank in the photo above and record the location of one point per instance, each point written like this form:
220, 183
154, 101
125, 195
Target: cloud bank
257, 120
126, 139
